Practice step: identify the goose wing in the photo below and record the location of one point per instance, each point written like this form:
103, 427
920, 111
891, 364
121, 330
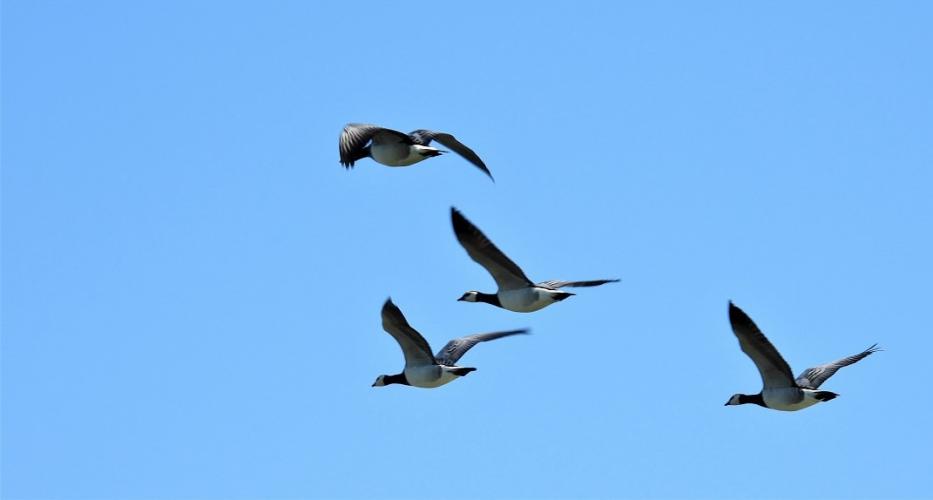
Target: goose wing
507, 274
456, 348
555, 284
424, 137
812, 378
417, 351
775, 372
356, 136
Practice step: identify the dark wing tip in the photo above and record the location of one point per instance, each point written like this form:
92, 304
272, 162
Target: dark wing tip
478, 163
734, 309
461, 224
465, 231
738, 316
482, 166
460, 148
390, 314
519, 331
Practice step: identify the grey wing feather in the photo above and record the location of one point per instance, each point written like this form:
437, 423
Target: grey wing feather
456, 348
424, 137
555, 284
356, 136
812, 378
507, 274
775, 372
353, 142
416, 349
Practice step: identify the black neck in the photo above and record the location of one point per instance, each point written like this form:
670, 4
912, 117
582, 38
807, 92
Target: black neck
489, 298
753, 398
396, 379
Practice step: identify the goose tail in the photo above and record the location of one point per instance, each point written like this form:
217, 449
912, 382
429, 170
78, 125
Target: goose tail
825, 396
461, 371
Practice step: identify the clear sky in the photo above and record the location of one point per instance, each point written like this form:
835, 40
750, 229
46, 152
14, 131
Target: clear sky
192, 283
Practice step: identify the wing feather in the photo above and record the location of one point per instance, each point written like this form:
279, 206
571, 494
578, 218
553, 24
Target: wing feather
812, 378
456, 348
424, 137
356, 136
507, 274
416, 349
353, 141
775, 372
555, 284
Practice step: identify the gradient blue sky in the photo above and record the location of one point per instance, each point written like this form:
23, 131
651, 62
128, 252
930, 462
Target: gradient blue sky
192, 283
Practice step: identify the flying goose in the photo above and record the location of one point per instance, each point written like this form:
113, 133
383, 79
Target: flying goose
781, 391
516, 292
423, 369
396, 149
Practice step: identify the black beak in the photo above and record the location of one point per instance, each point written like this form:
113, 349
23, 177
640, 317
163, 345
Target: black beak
460, 299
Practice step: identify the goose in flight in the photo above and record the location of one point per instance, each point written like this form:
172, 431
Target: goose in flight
516, 292
781, 391
423, 369
397, 149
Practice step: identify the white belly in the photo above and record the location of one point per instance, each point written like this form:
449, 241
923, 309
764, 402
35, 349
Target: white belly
525, 299
428, 376
396, 154
788, 399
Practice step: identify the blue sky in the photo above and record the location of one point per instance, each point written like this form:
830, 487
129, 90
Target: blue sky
192, 283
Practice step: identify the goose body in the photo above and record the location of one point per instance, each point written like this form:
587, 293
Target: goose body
423, 369
401, 155
397, 149
794, 398
530, 299
781, 391
515, 291
433, 376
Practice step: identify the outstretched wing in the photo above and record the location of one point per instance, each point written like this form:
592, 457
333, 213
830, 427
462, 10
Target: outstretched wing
812, 378
416, 350
775, 373
555, 284
424, 137
456, 348
507, 274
